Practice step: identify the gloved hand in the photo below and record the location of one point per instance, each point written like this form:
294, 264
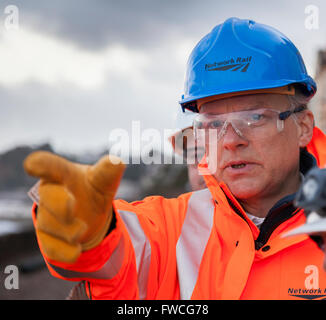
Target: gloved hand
75, 207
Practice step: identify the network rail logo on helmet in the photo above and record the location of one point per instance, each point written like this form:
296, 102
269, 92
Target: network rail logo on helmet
233, 64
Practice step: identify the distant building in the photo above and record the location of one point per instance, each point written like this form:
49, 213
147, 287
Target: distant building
318, 103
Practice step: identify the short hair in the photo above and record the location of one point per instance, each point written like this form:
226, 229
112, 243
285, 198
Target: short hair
299, 98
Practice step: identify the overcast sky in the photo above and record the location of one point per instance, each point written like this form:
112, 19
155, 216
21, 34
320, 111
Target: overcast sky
75, 70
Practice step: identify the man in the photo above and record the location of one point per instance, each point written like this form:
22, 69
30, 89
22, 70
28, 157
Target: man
184, 145
249, 85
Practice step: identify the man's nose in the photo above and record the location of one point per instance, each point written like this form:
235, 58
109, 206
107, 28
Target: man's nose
232, 137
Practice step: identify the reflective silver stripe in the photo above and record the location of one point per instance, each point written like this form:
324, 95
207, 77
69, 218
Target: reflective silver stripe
107, 271
192, 242
141, 247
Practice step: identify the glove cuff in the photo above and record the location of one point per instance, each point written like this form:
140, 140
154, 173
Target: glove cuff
99, 236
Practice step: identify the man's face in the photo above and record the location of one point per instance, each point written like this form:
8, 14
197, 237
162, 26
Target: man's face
194, 155
196, 180
258, 166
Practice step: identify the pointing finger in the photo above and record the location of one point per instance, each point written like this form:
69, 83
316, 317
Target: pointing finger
48, 166
106, 174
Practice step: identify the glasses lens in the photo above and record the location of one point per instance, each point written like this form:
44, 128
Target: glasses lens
249, 124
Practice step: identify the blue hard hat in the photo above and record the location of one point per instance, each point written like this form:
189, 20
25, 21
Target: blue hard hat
242, 55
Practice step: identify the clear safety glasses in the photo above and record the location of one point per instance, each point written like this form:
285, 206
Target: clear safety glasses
248, 124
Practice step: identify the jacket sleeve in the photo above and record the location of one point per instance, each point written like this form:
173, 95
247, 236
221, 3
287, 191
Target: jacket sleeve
135, 253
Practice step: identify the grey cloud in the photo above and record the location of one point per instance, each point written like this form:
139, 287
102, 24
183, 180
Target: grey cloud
94, 24
75, 118
143, 23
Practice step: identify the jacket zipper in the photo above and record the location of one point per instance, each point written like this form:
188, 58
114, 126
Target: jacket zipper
271, 223
265, 232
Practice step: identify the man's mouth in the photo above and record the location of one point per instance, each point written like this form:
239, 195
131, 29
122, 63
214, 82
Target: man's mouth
238, 166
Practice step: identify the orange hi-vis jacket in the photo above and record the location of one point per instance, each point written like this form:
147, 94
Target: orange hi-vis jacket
201, 246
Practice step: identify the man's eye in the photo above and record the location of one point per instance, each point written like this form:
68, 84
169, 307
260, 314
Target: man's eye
257, 117
216, 124
198, 125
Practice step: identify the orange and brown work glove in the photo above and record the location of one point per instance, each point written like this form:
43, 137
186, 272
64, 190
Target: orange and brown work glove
75, 207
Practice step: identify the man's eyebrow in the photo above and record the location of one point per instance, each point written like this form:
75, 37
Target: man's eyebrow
253, 106
247, 108
257, 106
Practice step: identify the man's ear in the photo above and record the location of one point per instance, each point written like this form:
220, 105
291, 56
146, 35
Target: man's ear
306, 126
